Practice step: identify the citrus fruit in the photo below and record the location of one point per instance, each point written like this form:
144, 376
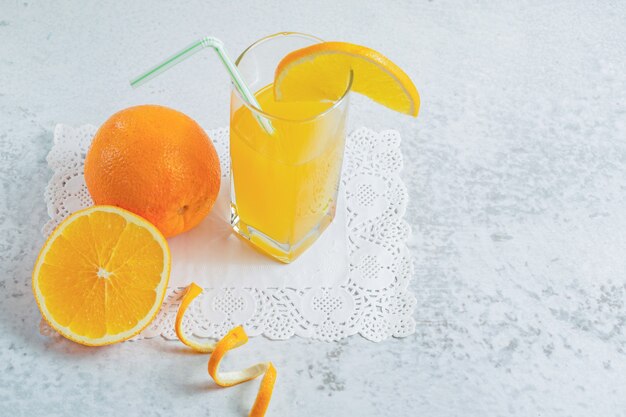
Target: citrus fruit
101, 276
157, 163
321, 72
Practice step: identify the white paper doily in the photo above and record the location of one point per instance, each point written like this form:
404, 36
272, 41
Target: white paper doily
372, 300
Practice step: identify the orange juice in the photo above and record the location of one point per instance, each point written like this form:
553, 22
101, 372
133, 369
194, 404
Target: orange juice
284, 182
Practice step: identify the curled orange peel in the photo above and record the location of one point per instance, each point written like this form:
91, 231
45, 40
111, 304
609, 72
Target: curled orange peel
234, 338
192, 291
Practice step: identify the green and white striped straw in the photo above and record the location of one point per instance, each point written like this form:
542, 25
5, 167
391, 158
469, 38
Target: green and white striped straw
218, 46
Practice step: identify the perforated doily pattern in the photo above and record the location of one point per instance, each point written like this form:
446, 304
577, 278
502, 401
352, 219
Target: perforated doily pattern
375, 302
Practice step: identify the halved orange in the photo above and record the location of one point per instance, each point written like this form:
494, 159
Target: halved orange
322, 72
101, 276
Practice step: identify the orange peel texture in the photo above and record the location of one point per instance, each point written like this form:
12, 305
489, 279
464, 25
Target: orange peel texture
235, 338
191, 292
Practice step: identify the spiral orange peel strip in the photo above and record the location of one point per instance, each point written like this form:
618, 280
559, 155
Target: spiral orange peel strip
234, 338
192, 291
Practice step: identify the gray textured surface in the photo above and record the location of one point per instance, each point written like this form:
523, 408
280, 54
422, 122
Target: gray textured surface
516, 169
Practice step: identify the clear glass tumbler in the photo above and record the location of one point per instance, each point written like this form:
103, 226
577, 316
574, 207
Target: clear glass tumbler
284, 181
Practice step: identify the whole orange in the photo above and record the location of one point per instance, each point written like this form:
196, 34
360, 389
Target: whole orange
156, 162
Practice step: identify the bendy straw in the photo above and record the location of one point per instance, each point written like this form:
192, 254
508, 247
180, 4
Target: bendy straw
218, 46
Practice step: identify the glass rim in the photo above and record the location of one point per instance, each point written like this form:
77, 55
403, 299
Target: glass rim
271, 116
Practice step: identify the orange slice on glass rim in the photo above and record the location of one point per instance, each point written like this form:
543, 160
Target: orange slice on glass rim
322, 72
101, 276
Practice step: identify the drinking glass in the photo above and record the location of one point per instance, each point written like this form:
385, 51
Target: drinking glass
285, 157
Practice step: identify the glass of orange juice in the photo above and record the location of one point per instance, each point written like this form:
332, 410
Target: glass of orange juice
284, 180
